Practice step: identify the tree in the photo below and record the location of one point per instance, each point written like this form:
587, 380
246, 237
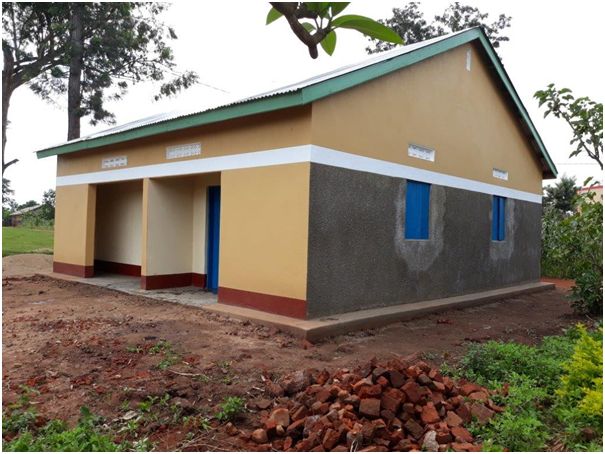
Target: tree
8, 201
48, 205
32, 45
322, 29
92, 52
563, 196
410, 24
583, 115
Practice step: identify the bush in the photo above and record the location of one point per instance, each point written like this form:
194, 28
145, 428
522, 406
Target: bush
37, 220
572, 247
582, 383
552, 262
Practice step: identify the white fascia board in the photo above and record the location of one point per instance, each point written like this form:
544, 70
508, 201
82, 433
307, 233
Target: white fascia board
293, 155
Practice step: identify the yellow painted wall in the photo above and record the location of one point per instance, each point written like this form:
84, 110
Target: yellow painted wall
118, 222
167, 226
437, 104
200, 191
264, 230
75, 224
284, 128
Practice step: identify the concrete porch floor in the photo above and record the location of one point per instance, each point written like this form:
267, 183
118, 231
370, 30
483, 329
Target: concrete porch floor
189, 296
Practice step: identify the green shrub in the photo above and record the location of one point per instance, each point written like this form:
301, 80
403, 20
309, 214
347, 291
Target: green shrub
582, 382
587, 292
56, 436
20, 420
230, 408
20, 416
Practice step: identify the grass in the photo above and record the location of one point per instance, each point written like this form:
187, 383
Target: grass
21, 240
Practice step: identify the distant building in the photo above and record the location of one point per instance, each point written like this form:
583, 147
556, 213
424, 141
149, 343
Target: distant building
598, 190
16, 218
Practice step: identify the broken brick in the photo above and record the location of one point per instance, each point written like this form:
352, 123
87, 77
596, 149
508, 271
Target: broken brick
396, 378
413, 391
453, 420
429, 414
330, 439
370, 407
281, 416
468, 388
259, 436
481, 412
390, 401
461, 434
415, 429
464, 412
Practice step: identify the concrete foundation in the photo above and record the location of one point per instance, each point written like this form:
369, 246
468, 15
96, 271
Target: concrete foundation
314, 330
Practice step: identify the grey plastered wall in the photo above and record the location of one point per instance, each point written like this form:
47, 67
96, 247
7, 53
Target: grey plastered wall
359, 258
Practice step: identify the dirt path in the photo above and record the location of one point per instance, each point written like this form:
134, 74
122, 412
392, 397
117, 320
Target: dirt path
26, 264
82, 345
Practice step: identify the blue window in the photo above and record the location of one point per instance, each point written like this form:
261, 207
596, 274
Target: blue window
417, 201
498, 218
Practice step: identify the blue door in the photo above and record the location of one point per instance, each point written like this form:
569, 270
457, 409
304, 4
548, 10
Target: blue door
214, 223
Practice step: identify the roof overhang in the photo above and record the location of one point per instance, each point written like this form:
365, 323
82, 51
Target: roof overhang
307, 94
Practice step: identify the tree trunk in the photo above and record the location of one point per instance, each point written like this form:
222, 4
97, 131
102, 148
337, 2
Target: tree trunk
7, 91
74, 89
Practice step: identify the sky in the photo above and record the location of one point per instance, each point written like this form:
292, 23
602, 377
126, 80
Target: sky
236, 55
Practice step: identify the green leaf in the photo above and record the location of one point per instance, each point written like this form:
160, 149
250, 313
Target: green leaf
273, 15
308, 26
368, 27
338, 7
321, 8
329, 42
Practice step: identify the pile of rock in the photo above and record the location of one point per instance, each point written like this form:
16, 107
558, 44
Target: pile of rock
398, 406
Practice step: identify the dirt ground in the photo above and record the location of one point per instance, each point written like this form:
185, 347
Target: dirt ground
78, 345
26, 264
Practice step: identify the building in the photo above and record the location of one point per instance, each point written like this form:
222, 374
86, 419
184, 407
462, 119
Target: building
16, 217
596, 189
414, 175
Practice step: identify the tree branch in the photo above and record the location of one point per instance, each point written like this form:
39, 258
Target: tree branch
295, 11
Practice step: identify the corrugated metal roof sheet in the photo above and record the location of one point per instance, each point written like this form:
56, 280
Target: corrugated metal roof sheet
26, 210
172, 115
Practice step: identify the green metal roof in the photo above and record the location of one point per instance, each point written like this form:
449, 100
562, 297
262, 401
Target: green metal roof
317, 88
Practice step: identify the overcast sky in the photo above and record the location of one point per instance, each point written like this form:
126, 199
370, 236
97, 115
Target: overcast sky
231, 49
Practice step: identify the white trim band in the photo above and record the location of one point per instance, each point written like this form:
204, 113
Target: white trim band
293, 155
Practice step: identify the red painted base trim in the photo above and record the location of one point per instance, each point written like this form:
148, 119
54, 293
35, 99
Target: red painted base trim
173, 280
280, 305
73, 270
198, 280
118, 268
